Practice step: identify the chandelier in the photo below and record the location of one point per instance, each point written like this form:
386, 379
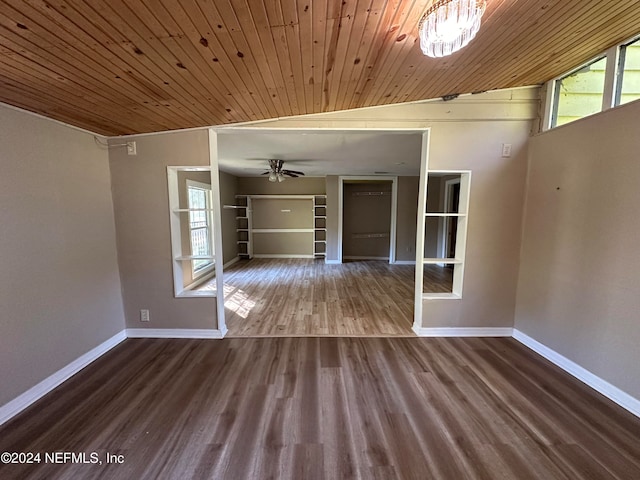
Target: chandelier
449, 25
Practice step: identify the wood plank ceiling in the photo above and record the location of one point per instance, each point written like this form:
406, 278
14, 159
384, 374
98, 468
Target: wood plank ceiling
122, 67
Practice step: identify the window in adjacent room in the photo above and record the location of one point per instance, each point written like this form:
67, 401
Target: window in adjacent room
200, 232
628, 86
579, 93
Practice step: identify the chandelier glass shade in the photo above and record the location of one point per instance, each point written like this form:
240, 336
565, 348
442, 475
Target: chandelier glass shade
449, 25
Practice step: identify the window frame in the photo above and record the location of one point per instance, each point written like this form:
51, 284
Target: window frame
180, 244
558, 81
203, 269
622, 53
612, 84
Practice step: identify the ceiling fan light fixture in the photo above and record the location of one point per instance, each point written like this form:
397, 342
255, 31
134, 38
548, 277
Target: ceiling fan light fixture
449, 25
280, 178
273, 176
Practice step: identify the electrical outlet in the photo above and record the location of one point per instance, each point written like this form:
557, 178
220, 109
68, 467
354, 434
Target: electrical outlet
144, 315
131, 148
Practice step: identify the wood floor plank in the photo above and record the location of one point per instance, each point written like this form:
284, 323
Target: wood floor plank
306, 297
324, 407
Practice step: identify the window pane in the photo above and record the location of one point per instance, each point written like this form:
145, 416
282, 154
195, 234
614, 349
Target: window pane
200, 241
629, 74
580, 94
199, 227
198, 199
200, 245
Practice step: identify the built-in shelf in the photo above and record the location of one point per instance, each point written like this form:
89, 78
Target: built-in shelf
195, 257
371, 194
282, 230
443, 223
183, 210
243, 225
192, 263
245, 206
440, 296
448, 261
370, 235
431, 214
320, 226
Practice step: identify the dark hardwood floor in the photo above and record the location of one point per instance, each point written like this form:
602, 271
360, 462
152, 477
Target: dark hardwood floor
326, 408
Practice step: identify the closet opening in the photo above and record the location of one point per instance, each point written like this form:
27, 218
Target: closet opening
368, 219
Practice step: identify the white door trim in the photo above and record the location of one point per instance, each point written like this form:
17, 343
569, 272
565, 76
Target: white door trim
217, 229
422, 208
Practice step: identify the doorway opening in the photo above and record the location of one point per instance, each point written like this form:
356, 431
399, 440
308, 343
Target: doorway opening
367, 218
289, 279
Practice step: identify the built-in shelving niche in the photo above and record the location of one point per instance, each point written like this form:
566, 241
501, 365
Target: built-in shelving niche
265, 222
445, 234
192, 220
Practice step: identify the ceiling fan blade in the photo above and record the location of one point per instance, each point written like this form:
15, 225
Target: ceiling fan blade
289, 174
266, 173
294, 172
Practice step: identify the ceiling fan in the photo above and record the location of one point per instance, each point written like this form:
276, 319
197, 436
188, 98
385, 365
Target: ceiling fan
277, 173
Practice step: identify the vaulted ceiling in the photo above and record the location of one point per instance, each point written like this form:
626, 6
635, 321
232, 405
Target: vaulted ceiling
122, 67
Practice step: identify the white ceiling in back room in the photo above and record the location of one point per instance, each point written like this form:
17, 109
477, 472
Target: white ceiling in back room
246, 153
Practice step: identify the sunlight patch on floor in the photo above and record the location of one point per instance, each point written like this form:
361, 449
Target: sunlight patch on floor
237, 301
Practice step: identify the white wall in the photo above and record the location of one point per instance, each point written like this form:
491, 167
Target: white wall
578, 289
59, 283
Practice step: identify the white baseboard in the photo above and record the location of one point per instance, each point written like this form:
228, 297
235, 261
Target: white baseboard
15, 406
404, 262
355, 257
612, 392
174, 333
36, 392
274, 255
463, 332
